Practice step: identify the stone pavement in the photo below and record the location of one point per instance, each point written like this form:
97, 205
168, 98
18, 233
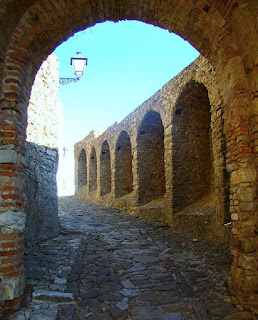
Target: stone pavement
110, 265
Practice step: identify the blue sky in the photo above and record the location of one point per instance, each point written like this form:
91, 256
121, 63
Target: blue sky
128, 62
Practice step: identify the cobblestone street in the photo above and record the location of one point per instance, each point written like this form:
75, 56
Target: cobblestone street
110, 265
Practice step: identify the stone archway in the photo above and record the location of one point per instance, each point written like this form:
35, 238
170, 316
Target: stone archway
150, 158
82, 169
193, 176
105, 169
123, 165
223, 31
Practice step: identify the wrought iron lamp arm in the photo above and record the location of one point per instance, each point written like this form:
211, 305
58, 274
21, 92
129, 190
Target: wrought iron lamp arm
68, 80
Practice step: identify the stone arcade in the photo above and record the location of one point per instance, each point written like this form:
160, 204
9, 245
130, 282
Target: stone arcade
166, 161
225, 32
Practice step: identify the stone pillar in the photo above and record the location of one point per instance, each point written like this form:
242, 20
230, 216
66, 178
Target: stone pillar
242, 168
41, 131
12, 221
243, 280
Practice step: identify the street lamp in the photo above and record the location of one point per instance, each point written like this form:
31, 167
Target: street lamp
79, 63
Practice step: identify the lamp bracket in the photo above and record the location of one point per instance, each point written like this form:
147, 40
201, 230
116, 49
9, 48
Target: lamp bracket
68, 80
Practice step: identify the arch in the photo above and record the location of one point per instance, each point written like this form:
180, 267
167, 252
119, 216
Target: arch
218, 41
82, 169
215, 28
123, 165
93, 170
150, 158
193, 174
193, 16
105, 169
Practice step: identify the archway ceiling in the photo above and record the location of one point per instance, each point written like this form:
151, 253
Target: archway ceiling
45, 24
217, 29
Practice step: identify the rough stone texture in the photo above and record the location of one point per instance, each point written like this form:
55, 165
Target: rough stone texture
43, 106
12, 220
8, 156
41, 194
224, 31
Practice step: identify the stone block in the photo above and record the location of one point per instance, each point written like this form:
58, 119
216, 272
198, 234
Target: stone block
247, 206
243, 175
231, 167
248, 245
66, 312
12, 221
44, 315
53, 296
8, 156
173, 316
12, 288
245, 194
247, 261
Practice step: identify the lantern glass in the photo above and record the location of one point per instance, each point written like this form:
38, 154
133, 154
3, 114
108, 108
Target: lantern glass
78, 63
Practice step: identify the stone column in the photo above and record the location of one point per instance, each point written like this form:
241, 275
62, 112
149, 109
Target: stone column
41, 131
12, 221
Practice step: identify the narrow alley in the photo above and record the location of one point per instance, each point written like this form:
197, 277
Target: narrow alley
107, 265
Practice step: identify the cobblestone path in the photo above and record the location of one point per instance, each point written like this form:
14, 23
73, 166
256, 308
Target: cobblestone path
109, 265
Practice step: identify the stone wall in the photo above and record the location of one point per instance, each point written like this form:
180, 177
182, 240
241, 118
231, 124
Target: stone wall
43, 108
166, 160
41, 157
41, 194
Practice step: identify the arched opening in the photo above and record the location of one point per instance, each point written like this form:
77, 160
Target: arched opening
193, 174
214, 28
105, 169
150, 156
123, 165
82, 169
93, 171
